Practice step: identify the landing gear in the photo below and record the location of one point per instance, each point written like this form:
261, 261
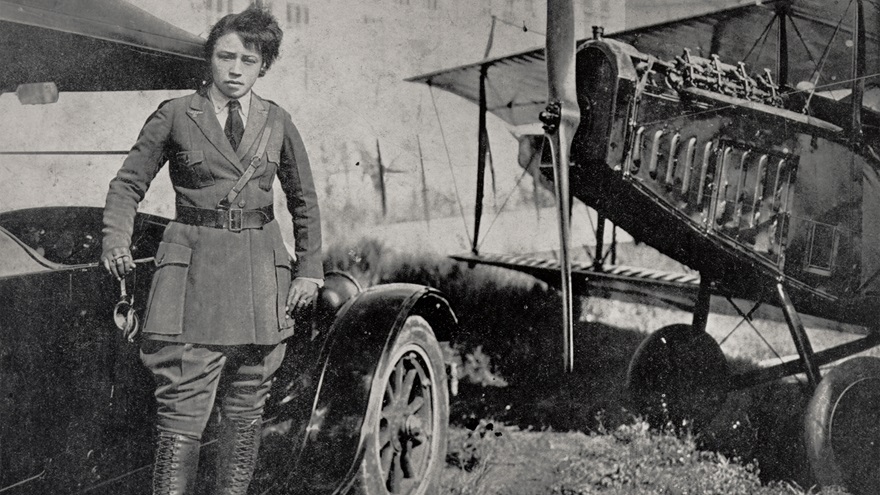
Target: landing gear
842, 427
409, 434
678, 377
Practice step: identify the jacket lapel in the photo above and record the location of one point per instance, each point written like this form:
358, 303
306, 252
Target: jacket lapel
256, 120
201, 111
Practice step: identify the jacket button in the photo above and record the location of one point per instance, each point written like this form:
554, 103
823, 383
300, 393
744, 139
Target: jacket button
242, 203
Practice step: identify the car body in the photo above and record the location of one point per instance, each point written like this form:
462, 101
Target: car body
68, 377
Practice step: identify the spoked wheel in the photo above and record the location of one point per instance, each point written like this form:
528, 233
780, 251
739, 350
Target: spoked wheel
842, 427
678, 376
411, 411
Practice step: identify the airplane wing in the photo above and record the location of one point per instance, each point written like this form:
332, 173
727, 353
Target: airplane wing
516, 85
645, 286
676, 290
118, 47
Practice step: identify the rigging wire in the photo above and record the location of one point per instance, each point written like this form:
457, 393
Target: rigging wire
24, 481
523, 27
804, 42
747, 318
818, 70
449, 162
503, 204
763, 36
763, 45
498, 210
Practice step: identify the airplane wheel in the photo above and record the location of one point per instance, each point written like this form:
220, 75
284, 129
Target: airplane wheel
678, 377
408, 448
842, 427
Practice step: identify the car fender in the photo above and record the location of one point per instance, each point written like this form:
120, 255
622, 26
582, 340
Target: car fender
364, 329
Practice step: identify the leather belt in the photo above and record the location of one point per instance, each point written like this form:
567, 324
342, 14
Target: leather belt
233, 219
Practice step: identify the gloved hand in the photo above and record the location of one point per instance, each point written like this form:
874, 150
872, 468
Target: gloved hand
118, 261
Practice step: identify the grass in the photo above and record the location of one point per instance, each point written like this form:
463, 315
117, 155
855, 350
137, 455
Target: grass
508, 348
635, 459
471, 458
630, 459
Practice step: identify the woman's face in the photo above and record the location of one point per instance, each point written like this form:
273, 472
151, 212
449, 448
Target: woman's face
234, 67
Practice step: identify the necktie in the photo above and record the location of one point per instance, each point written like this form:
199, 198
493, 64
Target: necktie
234, 127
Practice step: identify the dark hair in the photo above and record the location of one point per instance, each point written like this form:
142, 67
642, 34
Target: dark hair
256, 27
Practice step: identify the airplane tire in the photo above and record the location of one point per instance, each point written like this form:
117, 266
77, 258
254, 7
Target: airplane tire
678, 377
842, 427
407, 449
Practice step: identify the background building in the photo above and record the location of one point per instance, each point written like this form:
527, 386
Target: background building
341, 75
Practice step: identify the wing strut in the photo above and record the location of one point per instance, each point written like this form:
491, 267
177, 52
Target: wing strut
482, 150
599, 260
858, 73
782, 47
560, 121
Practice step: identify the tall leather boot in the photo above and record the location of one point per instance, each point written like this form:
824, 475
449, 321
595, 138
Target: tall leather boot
238, 444
177, 462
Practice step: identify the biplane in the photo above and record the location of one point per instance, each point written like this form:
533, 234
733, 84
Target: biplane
360, 404
742, 143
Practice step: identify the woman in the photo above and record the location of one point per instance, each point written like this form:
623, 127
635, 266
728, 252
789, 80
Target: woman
224, 291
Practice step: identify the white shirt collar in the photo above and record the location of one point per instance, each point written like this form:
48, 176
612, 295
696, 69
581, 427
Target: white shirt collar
219, 100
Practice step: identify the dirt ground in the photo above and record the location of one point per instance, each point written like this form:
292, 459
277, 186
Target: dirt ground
518, 463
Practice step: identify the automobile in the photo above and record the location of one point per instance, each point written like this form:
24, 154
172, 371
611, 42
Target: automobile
360, 404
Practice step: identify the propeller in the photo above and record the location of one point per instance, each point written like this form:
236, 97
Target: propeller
561, 118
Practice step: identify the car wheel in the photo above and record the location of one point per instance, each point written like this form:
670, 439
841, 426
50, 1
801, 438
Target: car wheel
408, 414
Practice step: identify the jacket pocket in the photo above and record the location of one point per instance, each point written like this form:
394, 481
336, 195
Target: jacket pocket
283, 278
166, 304
196, 172
273, 158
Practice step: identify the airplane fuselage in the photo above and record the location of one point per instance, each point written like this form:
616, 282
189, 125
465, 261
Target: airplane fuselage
728, 180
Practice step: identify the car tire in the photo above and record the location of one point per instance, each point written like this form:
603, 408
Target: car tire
408, 414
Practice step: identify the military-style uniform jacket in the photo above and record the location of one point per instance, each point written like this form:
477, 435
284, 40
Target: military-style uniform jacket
214, 285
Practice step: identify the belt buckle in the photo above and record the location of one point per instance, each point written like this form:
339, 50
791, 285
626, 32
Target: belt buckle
235, 219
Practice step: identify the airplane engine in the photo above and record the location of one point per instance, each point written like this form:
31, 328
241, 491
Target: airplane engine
606, 80
723, 171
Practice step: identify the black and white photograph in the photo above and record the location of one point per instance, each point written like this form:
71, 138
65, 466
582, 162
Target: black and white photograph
452, 247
